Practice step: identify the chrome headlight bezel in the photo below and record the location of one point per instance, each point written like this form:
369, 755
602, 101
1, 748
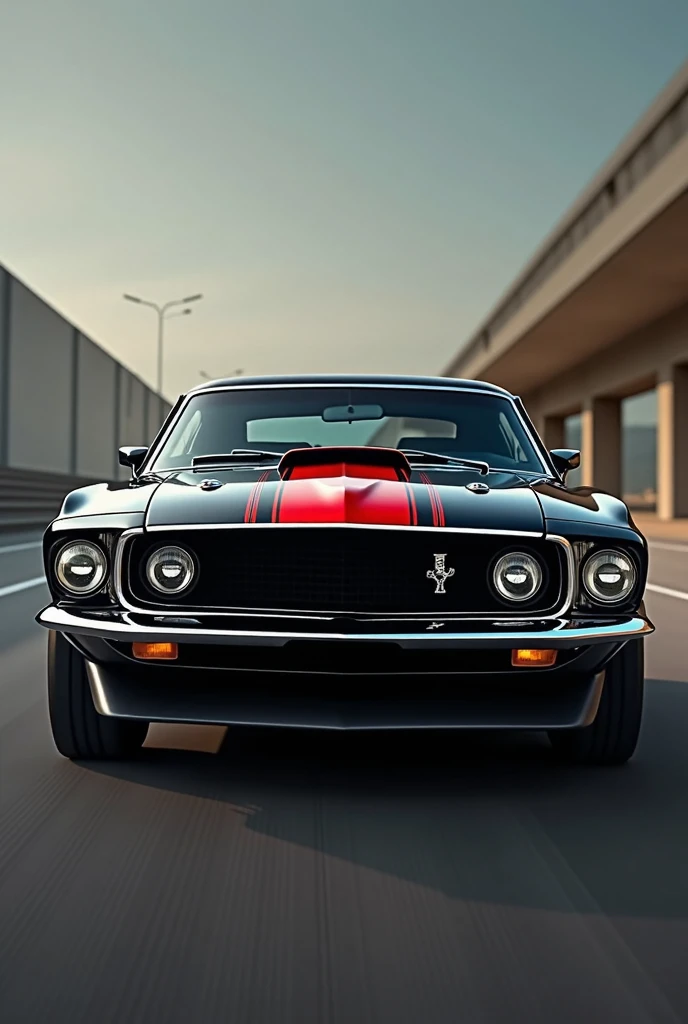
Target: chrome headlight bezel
102, 571
173, 552
525, 559
594, 561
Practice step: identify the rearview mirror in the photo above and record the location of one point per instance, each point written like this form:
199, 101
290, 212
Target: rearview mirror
565, 459
132, 457
352, 413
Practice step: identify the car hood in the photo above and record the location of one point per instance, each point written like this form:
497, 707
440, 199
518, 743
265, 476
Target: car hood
585, 505
183, 500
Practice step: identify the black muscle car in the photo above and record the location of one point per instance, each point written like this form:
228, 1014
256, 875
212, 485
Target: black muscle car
346, 552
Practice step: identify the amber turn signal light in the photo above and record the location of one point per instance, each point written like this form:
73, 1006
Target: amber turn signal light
155, 652
534, 659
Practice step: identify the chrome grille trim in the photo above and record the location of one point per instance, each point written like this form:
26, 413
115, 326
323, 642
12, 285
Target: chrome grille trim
508, 616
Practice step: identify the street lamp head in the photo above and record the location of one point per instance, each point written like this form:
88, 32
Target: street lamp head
180, 312
162, 316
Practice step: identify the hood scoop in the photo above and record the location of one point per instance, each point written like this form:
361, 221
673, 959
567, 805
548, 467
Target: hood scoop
351, 461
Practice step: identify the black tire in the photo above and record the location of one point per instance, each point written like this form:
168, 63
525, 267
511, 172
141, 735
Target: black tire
79, 732
612, 737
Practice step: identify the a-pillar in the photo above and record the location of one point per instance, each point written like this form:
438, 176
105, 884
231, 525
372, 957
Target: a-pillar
672, 442
601, 444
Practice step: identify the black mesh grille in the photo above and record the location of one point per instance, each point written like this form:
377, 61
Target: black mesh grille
355, 571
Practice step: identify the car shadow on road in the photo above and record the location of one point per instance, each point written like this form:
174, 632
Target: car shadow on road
488, 817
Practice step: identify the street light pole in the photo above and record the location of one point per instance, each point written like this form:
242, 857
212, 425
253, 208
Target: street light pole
161, 311
161, 321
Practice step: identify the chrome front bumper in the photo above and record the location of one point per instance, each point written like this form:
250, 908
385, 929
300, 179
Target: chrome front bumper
559, 633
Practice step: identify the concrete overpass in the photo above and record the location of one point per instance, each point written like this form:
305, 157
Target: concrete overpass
600, 312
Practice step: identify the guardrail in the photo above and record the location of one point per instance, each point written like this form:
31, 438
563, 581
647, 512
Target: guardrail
32, 499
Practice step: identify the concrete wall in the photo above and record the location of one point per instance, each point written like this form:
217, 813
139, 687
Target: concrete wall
65, 404
5, 283
154, 416
96, 409
132, 413
41, 382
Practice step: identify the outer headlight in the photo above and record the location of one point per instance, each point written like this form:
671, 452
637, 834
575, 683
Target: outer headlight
81, 567
517, 576
609, 576
170, 570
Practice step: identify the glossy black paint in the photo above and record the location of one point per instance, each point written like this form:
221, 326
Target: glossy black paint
338, 571
332, 658
180, 501
111, 499
132, 457
354, 380
511, 503
342, 702
565, 460
582, 505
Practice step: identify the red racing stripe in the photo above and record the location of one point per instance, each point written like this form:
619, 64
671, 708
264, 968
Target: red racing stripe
276, 505
343, 500
413, 509
433, 498
254, 498
440, 508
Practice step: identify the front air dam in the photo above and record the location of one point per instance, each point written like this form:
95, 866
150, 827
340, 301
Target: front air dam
219, 697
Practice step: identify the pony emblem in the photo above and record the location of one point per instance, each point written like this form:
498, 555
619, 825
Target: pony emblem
440, 574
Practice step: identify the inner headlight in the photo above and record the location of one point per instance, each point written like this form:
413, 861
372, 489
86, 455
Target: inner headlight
517, 576
609, 576
81, 567
170, 570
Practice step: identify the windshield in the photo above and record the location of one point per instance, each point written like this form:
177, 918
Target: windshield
464, 424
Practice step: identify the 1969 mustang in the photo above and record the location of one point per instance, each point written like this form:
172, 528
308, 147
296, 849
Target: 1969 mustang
346, 553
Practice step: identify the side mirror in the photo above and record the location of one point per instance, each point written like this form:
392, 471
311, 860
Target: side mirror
565, 459
132, 457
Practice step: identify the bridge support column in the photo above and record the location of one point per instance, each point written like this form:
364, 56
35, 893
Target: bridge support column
601, 444
672, 442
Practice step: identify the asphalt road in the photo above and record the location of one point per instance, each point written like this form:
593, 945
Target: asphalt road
296, 879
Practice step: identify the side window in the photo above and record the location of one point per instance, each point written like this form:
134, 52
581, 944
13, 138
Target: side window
184, 444
515, 450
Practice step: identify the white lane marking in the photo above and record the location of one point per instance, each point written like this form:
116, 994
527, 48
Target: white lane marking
34, 544
667, 591
662, 546
15, 588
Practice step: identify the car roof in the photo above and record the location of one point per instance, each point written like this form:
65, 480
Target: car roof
351, 380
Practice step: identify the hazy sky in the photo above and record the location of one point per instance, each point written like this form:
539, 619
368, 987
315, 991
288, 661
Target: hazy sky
350, 184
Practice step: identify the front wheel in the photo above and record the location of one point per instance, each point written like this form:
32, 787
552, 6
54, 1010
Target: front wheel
79, 732
612, 737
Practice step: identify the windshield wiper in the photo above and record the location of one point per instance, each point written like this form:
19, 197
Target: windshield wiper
249, 456
239, 455
445, 460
